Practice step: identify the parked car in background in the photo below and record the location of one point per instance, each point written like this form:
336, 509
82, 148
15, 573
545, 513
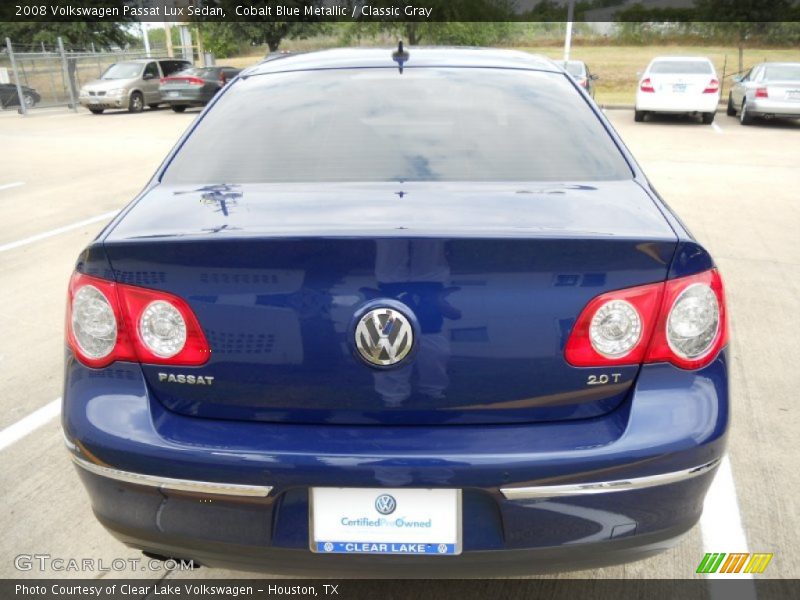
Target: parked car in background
767, 90
678, 85
130, 84
194, 86
10, 97
579, 71
357, 323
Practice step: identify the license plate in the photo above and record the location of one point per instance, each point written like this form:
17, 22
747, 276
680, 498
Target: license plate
679, 88
385, 521
94, 101
793, 95
173, 94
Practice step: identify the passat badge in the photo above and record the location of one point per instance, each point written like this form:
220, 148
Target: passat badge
384, 337
187, 379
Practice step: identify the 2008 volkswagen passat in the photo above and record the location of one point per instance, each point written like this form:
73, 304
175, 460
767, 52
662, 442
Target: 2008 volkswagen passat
397, 313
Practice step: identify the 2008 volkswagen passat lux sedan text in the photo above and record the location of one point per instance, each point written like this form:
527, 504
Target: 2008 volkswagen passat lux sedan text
409, 313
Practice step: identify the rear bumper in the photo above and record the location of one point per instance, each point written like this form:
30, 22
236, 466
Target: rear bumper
538, 497
773, 107
185, 97
674, 103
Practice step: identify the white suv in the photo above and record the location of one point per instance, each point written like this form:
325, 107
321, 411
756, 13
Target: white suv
678, 85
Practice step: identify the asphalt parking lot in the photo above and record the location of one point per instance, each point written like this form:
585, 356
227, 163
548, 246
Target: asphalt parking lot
62, 175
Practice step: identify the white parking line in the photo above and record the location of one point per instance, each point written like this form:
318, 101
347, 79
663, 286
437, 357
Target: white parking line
38, 418
52, 232
6, 186
721, 526
716, 128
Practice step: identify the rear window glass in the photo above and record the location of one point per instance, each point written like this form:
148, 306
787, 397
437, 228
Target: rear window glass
426, 124
681, 67
574, 68
782, 73
198, 72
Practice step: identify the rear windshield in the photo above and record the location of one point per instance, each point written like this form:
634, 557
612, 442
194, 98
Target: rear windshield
426, 124
123, 71
198, 72
782, 73
574, 68
681, 67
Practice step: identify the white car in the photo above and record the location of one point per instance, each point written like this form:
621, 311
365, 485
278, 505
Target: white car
678, 85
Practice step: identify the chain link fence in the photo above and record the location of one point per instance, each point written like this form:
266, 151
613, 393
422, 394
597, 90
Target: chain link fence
36, 76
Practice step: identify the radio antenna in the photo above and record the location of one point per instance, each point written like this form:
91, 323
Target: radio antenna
400, 55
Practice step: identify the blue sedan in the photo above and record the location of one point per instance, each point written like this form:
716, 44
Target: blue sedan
411, 313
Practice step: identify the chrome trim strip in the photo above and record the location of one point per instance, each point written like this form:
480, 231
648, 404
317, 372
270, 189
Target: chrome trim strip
167, 483
606, 487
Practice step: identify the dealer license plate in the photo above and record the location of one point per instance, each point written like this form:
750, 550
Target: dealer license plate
385, 521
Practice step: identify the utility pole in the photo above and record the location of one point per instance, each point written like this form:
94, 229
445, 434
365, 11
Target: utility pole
168, 36
22, 107
146, 39
568, 36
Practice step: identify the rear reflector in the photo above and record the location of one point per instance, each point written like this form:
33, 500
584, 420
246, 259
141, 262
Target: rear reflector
646, 86
681, 321
108, 321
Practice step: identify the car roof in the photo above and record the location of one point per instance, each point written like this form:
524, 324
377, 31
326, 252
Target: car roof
778, 64
146, 60
681, 58
355, 58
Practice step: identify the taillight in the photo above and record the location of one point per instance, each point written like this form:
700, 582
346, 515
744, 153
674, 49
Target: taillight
646, 85
194, 81
692, 326
762, 92
582, 82
614, 328
162, 81
108, 321
681, 321
712, 87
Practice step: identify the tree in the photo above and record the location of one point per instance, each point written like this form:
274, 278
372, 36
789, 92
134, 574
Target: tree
77, 35
744, 19
226, 37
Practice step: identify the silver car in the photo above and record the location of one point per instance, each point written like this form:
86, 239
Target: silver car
769, 89
130, 84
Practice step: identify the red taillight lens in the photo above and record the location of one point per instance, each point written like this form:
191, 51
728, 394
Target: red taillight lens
712, 87
162, 81
582, 82
195, 81
108, 321
646, 85
681, 321
614, 328
688, 303
762, 92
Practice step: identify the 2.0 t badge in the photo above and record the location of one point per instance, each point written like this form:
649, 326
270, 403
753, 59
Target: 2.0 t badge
384, 336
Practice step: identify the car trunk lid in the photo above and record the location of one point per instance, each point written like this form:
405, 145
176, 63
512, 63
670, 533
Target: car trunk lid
493, 275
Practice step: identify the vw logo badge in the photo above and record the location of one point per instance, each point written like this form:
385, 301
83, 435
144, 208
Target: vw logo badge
385, 504
384, 337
